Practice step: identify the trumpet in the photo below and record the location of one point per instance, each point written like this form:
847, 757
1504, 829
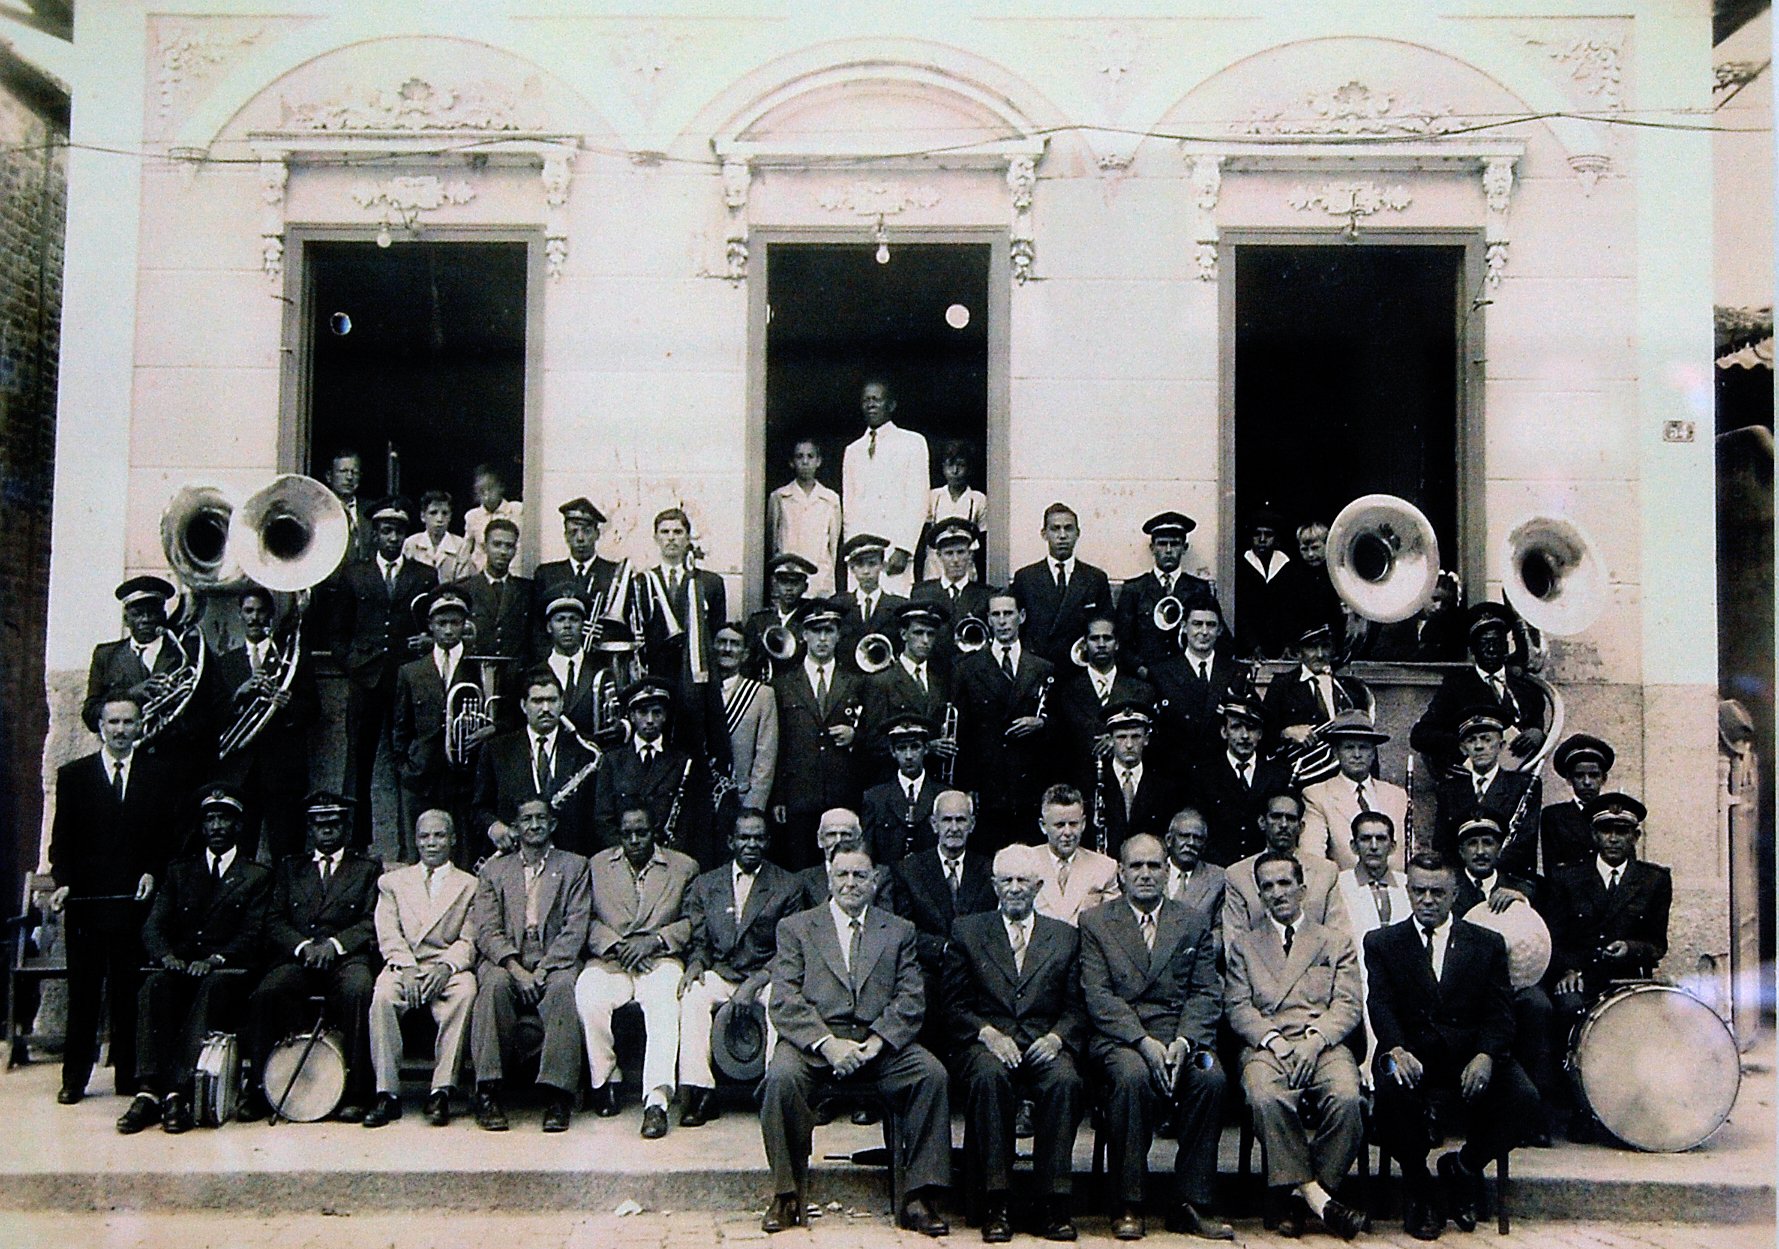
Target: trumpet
874, 653
945, 745
469, 708
610, 606
970, 635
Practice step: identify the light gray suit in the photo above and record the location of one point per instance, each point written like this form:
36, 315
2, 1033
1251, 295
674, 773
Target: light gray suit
552, 952
1093, 881
1203, 892
1321, 896
753, 749
1315, 988
416, 932
1328, 810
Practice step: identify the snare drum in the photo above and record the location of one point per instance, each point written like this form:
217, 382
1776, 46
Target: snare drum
217, 1081
1658, 1067
316, 1084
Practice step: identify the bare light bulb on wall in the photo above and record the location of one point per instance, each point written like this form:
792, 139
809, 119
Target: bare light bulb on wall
882, 236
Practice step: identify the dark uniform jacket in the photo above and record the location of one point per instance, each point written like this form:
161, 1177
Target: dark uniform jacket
1053, 622
100, 848
852, 628
1140, 643
1436, 733
417, 730
1004, 771
983, 985
891, 693
1456, 801
505, 777
893, 826
1159, 796
1078, 716
194, 916
288, 727
1230, 810
372, 625
501, 615
1568, 835
814, 773
972, 600
346, 911
624, 781
552, 578
1187, 722
1583, 921
931, 905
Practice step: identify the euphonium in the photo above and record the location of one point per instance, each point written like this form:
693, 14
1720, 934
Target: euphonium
970, 635
874, 653
469, 708
1383, 558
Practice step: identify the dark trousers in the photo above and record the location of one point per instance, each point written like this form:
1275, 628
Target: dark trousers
912, 1081
1497, 1119
367, 728
273, 775
280, 1007
174, 1012
1535, 1047
497, 1020
104, 965
1132, 1106
991, 1092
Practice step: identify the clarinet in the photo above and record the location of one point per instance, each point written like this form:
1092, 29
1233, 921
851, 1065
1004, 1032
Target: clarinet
670, 830
1099, 804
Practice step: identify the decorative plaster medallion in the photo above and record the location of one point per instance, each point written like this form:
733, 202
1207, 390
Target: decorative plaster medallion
1207, 188
1115, 56
643, 56
274, 176
1594, 65
875, 199
1022, 245
412, 195
1351, 200
186, 55
1353, 109
412, 105
737, 179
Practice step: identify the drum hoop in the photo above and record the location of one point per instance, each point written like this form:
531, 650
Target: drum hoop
332, 1040
1623, 992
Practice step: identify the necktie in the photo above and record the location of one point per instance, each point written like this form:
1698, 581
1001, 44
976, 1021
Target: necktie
1017, 936
1198, 670
1103, 688
952, 876
913, 792
1130, 792
952, 590
852, 950
1062, 877
920, 677
1290, 931
543, 767
648, 755
215, 869
327, 871
1482, 783
821, 689
1612, 885
1007, 661
574, 672
1380, 897
1359, 793
446, 668
431, 882
1431, 966
253, 659
1167, 584
867, 605
1062, 580
117, 780
871, 443
1499, 684
389, 579
1246, 772
1146, 923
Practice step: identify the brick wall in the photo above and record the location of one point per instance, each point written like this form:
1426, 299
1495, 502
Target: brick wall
33, 201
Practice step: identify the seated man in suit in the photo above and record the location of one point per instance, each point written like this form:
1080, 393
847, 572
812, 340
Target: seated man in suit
847, 1000
321, 938
1230, 788
1012, 1005
1441, 1008
1082, 698
1281, 825
1292, 995
1374, 894
1060, 593
1191, 881
671, 785
1138, 797
1191, 686
1483, 787
208, 916
1074, 878
429, 945
1586, 763
750, 713
734, 911
541, 760
939, 886
1297, 703
635, 944
1518, 703
896, 814
532, 912
417, 730
1149, 976
1329, 806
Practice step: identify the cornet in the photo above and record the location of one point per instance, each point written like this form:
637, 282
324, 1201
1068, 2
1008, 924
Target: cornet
970, 635
947, 738
780, 647
874, 653
1078, 653
1169, 615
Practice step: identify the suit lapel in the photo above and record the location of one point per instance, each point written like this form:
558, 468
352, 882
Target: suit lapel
872, 943
1124, 926
828, 942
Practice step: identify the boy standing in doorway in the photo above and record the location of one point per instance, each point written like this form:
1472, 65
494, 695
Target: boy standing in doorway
803, 518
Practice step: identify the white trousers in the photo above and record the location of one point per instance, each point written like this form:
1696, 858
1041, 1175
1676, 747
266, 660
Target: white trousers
697, 1010
601, 989
450, 1010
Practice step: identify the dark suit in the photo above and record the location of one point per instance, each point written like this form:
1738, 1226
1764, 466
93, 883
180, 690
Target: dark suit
370, 630
1568, 835
1139, 641
624, 781
667, 657
1456, 801
1159, 796
301, 910
984, 987
1054, 621
187, 743
1584, 920
933, 908
1436, 733
194, 916
852, 627
1290, 700
1187, 721
972, 600
1229, 808
763, 618
1171, 991
1272, 612
1006, 773
816, 995
500, 613
273, 771
1534, 1030
506, 776
814, 774
99, 848
1444, 1024
891, 693
417, 734
552, 578
1078, 716
895, 827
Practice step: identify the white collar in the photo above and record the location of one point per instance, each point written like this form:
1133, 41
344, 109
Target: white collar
1489, 678
912, 667
1026, 925
843, 921
548, 740
1441, 934
1140, 913
1278, 928
1068, 566
1135, 770
1484, 882
220, 863
1488, 778
1239, 766
904, 782
814, 669
1606, 870
1162, 577
1102, 680
333, 859
454, 653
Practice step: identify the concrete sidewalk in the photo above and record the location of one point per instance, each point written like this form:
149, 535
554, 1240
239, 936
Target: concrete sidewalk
71, 1159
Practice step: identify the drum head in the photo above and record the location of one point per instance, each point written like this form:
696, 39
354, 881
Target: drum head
1528, 940
316, 1088
1659, 1068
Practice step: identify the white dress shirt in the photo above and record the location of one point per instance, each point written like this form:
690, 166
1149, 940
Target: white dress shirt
843, 930
1442, 937
743, 883
150, 653
111, 763
1019, 936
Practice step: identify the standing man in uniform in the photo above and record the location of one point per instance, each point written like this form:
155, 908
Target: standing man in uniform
1140, 640
588, 574
1518, 703
1003, 694
820, 708
867, 607
956, 590
1084, 695
884, 478
271, 771
1586, 763
1232, 788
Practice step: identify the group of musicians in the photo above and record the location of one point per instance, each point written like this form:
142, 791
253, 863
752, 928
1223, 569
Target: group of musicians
1007, 845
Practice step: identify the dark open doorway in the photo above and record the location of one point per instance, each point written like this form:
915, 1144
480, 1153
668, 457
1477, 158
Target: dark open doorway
1346, 381
836, 317
419, 347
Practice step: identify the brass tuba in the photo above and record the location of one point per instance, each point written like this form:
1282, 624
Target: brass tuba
195, 539
874, 653
1383, 558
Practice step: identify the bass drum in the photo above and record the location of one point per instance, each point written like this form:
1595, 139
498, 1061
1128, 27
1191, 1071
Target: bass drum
1658, 1067
306, 1089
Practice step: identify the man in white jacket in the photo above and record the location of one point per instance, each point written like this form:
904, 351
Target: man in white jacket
883, 484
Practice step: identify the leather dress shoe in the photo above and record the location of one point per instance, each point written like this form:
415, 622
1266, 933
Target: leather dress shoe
387, 1107
558, 1113
785, 1211
252, 1108
1342, 1220
997, 1229
144, 1112
823, 1113
1128, 1224
438, 1108
1187, 1220
490, 1117
1291, 1212
1422, 1217
351, 1112
176, 1116
1057, 1223
1460, 1185
865, 1116
604, 1100
918, 1216
68, 1095
654, 1122
698, 1106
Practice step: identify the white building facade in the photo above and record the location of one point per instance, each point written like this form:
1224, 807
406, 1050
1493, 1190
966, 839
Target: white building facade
650, 157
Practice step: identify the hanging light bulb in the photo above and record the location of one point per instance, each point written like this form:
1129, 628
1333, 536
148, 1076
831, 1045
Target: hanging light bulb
881, 235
